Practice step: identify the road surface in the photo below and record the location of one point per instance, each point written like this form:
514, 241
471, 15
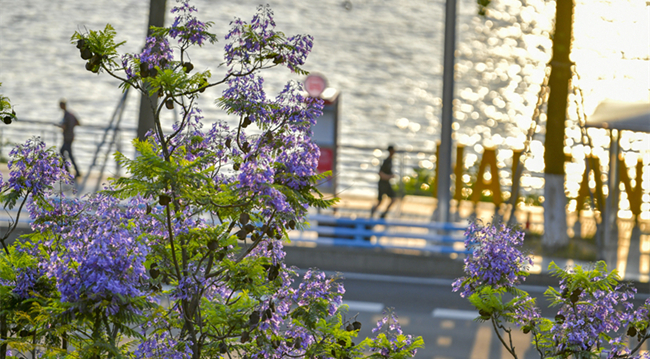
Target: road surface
427, 307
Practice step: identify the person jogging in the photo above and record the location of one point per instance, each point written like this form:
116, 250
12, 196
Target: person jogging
383, 186
68, 123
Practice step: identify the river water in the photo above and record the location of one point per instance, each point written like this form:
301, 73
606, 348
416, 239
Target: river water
384, 56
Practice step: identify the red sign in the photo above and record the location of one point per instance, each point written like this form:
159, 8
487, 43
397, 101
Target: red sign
315, 85
326, 160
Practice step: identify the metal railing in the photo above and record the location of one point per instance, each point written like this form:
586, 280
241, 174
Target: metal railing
432, 237
87, 139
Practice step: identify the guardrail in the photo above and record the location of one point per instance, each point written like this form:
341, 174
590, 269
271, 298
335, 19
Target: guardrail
87, 139
430, 237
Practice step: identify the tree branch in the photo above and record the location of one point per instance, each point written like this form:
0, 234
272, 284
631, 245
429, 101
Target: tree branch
496, 330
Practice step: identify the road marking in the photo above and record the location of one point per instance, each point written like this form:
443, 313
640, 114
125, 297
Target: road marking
481, 348
433, 281
444, 341
447, 324
366, 307
442, 282
454, 314
521, 343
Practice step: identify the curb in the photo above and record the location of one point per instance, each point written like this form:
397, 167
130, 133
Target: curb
407, 263
374, 261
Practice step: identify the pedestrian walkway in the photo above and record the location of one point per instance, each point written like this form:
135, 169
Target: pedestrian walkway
633, 260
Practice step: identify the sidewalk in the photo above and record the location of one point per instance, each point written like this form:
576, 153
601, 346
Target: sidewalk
633, 246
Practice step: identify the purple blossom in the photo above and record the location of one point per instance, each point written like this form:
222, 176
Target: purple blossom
525, 312
246, 41
26, 279
163, 346
390, 338
299, 47
245, 95
590, 315
187, 29
100, 257
35, 169
156, 52
127, 65
495, 259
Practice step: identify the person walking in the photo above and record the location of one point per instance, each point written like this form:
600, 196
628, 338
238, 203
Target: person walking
68, 123
384, 187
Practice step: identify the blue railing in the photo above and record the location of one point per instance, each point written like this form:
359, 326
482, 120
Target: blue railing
430, 237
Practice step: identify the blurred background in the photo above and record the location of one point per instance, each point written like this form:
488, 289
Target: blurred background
385, 59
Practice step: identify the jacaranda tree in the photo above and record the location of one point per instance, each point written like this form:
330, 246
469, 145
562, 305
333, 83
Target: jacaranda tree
182, 257
595, 318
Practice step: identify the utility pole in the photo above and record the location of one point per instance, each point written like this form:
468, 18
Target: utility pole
444, 154
157, 10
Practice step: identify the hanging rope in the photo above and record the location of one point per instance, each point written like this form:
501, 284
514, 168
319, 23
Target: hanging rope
585, 140
542, 98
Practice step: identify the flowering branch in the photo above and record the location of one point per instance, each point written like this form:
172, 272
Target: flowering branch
593, 304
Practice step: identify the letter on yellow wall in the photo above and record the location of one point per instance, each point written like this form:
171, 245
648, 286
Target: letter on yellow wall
458, 172
516, 155
585, 191
633, 194
489, 158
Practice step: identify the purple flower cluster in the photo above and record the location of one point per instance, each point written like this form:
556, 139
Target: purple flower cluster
245, 96
495, 258
100, 257
262, 165
187, 29
299, 47
163, 346
156, 52
35, 169
524, 311
26, 279
247, 40
389, 328
59, 217
317, 296
127, 66
299, 110
587, 315
619, 349
388, 320
315, 286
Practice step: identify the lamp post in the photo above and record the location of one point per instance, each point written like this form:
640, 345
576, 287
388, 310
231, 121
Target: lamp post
444, 154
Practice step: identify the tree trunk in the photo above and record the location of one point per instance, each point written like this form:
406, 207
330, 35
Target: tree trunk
555, 226
3, 335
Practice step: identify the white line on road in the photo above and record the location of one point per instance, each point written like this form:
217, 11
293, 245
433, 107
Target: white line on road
387, 278
366, 307
454, 314
432, 281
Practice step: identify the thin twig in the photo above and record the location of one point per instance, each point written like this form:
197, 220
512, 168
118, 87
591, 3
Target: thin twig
496, 330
